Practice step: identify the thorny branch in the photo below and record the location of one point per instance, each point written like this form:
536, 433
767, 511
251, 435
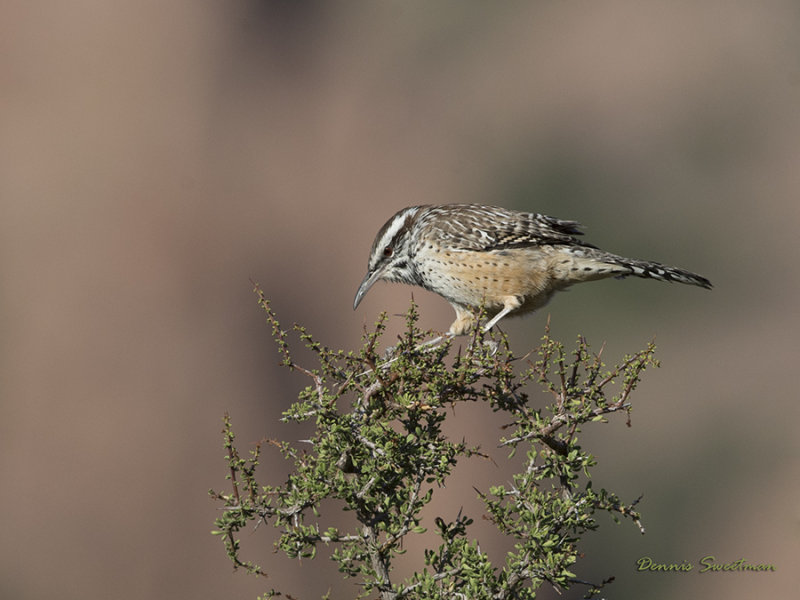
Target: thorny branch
380, 452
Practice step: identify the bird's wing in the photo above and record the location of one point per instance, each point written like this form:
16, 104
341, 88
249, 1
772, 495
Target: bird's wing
472, 227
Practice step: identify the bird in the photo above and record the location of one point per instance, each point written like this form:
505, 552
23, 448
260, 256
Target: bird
503, 261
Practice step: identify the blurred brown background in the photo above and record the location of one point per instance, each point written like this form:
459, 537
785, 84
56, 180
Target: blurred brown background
155, 156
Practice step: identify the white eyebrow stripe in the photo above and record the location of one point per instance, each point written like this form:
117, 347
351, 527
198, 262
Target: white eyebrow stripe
397, 225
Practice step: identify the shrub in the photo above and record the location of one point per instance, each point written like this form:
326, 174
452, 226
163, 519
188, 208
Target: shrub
378, 448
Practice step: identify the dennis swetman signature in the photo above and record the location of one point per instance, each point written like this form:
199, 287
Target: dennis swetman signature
706, 564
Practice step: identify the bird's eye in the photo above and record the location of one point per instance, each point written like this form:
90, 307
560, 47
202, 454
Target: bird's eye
387, 252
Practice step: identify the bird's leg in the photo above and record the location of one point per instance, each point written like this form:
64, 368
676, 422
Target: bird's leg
445, 337
465, 319
389, 358
509, 303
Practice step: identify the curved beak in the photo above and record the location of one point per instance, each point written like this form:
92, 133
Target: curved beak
369, 280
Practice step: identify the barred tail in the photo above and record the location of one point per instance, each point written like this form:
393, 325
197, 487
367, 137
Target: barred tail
574, 264
654, 270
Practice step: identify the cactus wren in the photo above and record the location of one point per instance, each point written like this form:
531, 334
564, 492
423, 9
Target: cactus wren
510, 262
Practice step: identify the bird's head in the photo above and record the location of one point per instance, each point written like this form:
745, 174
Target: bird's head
390, 258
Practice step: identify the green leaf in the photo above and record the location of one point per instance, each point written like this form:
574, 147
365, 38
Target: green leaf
379, 445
